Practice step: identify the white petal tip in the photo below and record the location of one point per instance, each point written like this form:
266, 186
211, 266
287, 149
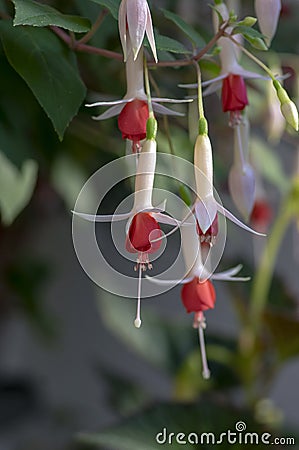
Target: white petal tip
137, 323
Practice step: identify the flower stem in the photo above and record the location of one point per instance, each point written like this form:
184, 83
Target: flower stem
148, 89
264, 275
199, 92
94, 27
254, 58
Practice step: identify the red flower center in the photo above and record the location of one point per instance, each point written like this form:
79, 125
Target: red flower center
132, 120
143, 229
234, 94
198, 296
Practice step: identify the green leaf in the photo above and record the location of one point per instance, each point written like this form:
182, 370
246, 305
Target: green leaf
248, 31
164, 43
111, 5
268, 164
254, 37
16, 187
36, 14
192, 34
49, 69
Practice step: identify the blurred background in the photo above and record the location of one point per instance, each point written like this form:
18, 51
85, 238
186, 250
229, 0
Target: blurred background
74, 372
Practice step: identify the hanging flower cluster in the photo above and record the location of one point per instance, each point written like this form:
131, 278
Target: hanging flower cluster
138, 125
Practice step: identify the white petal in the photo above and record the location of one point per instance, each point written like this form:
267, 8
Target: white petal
172, 100
150, 33
188, 86
221, 277
168, 282
267, 12
231, 217
102, 218
214, 80
212, 88
167, 220
109, 103
205, 213
136, 18
160, 109
111, 112
229, 275
122, 26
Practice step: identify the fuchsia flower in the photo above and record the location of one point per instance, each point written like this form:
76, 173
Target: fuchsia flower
134, 21
133, 108
206, 207
198, 293
232, 75
143, 232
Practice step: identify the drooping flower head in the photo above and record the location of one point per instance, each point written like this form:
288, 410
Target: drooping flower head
132, 109
198, 293
134, 21
143, 227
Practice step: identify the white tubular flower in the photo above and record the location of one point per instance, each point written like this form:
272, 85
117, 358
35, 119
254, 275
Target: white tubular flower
241, 179
134, 21
268, 12
241, 182
206, 207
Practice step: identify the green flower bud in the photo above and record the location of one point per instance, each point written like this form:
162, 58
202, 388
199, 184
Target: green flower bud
151, 128
287, 107
248, 21
202, 126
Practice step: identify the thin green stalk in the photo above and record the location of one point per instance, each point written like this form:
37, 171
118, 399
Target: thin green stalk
254, 58
148, 89
199, 92
262, 281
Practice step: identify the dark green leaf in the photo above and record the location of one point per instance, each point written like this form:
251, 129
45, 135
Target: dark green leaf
16, 187
167, 44
192, 34
111, 5
36, 14
48, 68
